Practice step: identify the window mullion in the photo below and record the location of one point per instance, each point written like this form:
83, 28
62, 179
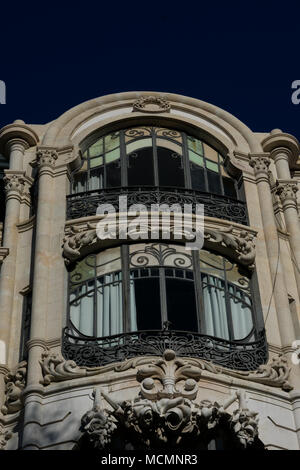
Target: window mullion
155, 159
198, 292
125, 287
186, 162
124, 163
228, 308
163, 296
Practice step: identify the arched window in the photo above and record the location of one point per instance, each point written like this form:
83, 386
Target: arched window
153, 156
159, 287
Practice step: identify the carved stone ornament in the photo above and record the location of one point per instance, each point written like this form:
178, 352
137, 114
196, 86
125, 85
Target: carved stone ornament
165, 416
5, 435
260, 163
151, 104
286, 190
274, 374
14, 182
46, 156
241, 244
15, 383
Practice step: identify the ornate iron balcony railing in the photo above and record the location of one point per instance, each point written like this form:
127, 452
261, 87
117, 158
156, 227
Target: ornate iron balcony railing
223, 207
91, 352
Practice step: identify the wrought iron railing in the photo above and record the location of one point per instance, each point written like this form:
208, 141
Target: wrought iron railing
91, 352
85, 204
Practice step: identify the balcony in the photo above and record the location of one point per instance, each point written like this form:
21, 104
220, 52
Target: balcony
91, 352
223, 207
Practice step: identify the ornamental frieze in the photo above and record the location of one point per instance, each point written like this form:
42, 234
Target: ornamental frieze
159, 377
81, 240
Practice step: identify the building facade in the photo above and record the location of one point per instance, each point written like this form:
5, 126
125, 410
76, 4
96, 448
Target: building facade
140, 339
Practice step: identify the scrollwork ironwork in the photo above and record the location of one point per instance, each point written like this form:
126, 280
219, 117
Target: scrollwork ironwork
222, 207
91, 352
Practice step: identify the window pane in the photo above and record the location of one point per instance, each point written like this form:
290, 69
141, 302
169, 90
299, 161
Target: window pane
229, 187
181, 304
113, 175
195, 145
212, 166
140, 170
214, 184
215, 313
198, 180
170, 168
96, 179
96, 161
111, 141
210, 153
112, 156
148, 316
96, 148
138, 144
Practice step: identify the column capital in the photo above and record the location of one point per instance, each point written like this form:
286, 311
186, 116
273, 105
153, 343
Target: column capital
286, 190
260, 162
46, 157
14, 183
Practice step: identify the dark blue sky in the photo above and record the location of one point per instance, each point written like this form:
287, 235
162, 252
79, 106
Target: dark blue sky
241, 56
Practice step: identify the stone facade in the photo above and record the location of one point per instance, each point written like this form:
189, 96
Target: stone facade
48, 401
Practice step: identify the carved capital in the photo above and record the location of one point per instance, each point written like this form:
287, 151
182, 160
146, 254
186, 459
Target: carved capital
15, 384
260, 163
151, 104
46, 157
14, 183
286, 190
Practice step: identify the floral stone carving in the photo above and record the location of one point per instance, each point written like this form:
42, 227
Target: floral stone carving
151, 104
15, 383
164, 416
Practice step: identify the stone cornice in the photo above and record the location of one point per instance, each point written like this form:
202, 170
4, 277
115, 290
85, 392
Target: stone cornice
3, 254
279, 142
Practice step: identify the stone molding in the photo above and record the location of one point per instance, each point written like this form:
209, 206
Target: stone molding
167, 416
14, 386
4, 252
79, 241
151, 104
274, 374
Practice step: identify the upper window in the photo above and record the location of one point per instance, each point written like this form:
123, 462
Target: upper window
153, 156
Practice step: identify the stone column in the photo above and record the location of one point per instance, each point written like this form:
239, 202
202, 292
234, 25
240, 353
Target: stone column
284, 150
260, 163
46, 158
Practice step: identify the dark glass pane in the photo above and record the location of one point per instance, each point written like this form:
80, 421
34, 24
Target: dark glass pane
79, 182
229, 187
113, 175
96, 179
147, 301
170, 168
181, 304
214, 183
197, 175
140, 170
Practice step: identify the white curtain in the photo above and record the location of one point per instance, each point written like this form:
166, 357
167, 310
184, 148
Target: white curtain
215, 307
241, 314
109, 308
